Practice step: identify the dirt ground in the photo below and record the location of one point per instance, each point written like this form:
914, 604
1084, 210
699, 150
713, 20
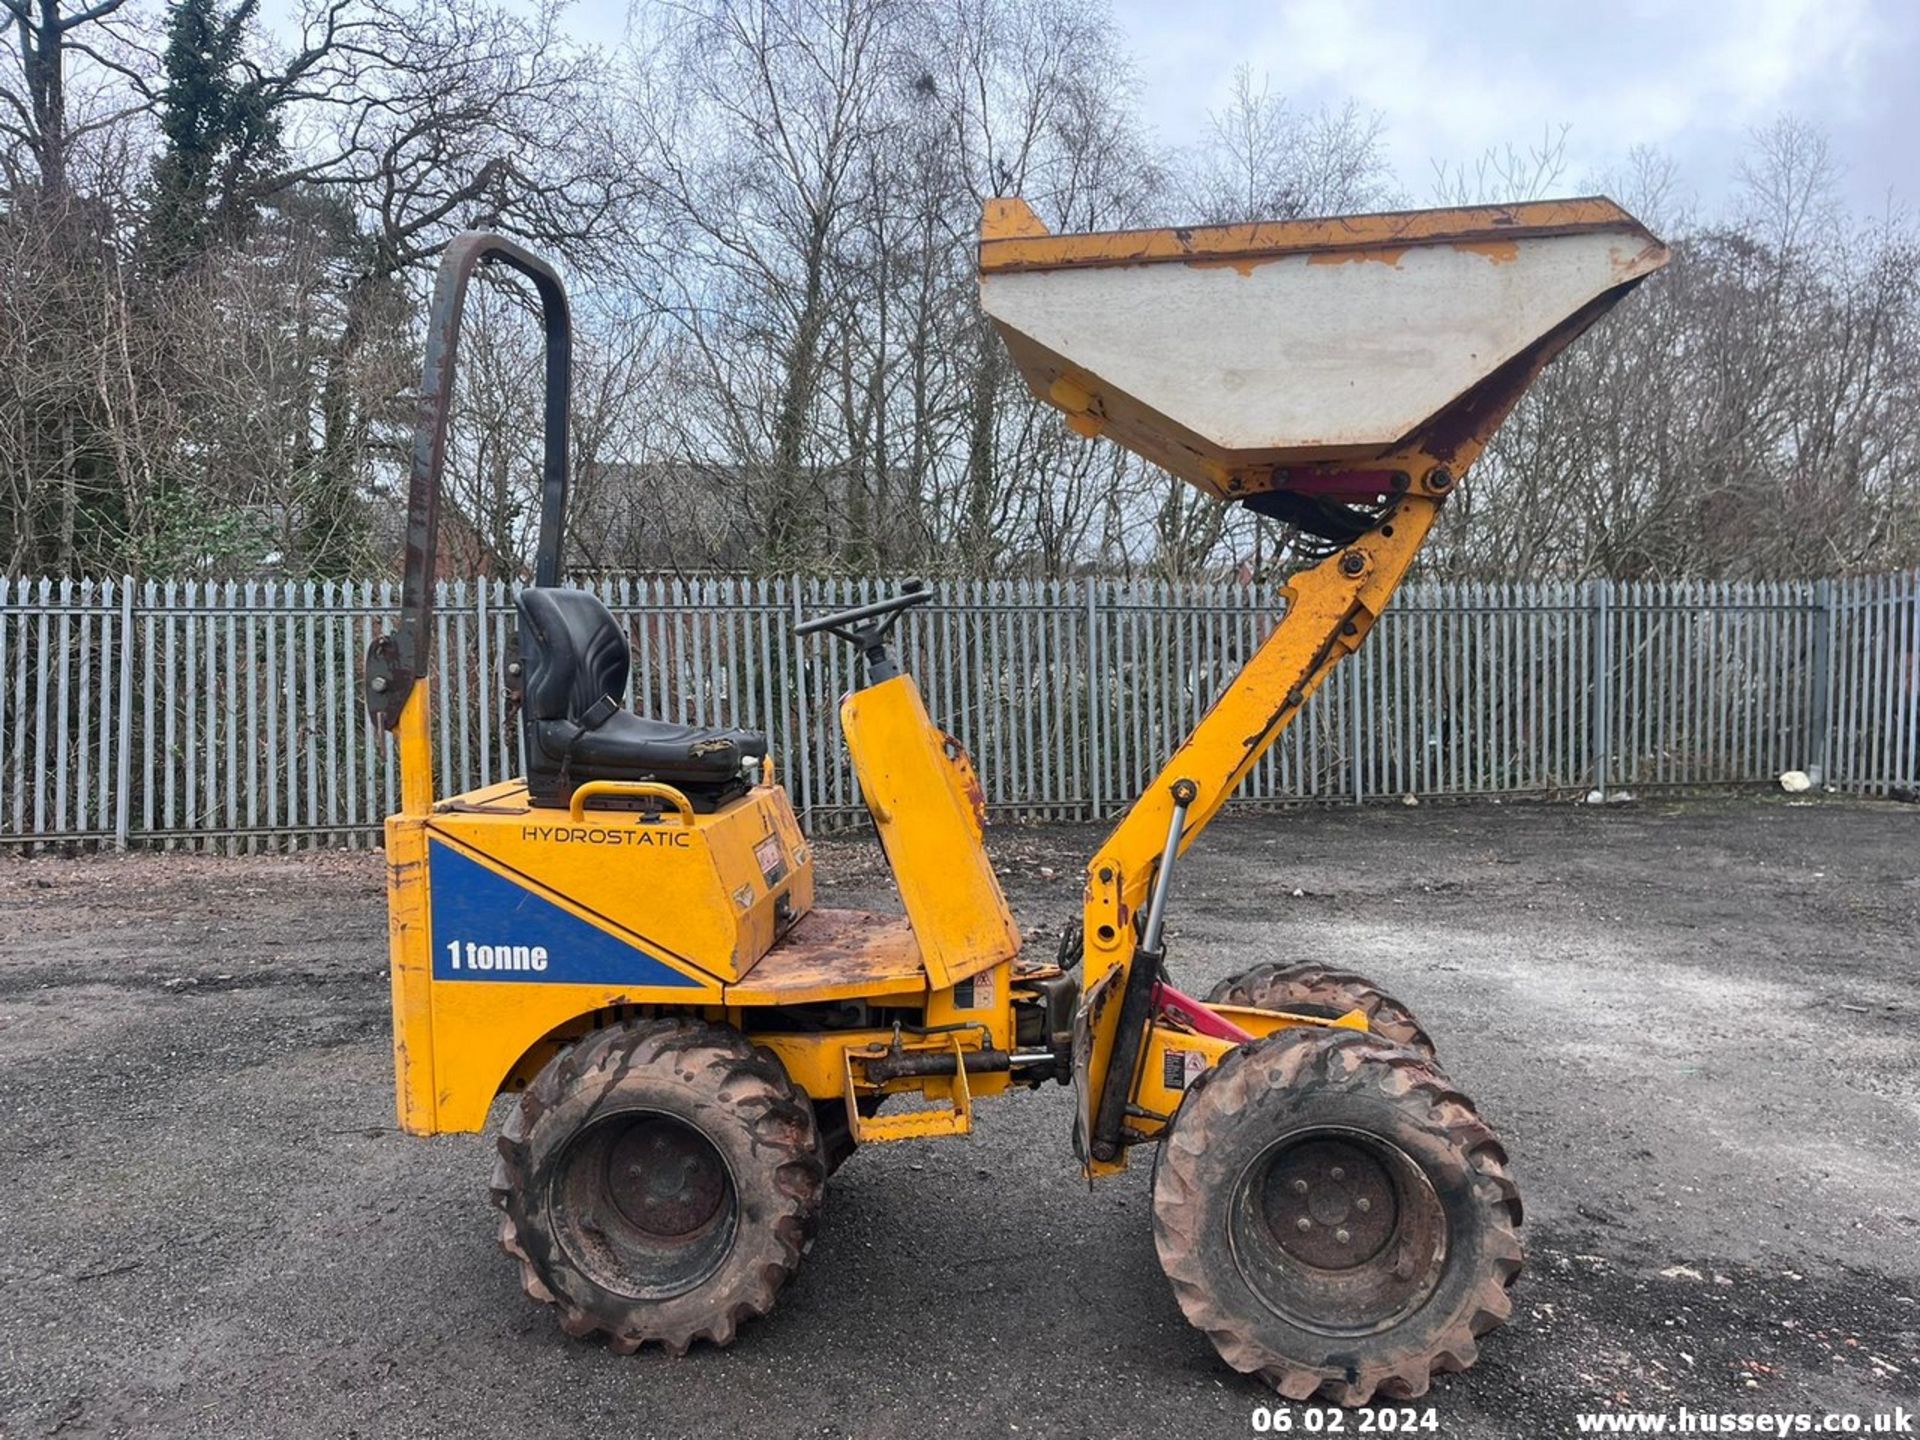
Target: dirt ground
1698, 1028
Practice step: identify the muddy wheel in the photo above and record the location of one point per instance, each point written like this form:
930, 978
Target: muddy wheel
659, 1181
1316, 990
1336, 1217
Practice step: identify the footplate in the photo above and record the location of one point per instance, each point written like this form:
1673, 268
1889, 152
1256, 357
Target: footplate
953, 1118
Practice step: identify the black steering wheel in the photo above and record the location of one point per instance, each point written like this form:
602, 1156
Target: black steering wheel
912, 593
865, 627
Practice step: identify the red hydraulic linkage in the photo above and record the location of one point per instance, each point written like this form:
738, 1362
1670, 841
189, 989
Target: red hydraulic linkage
1194, 1015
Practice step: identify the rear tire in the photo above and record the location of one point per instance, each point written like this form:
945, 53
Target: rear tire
659, 1182
1328, 994
1335, 1217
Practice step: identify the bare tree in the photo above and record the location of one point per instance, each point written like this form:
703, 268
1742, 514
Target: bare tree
1750, 417
1263, 160
1505, 174
78, 72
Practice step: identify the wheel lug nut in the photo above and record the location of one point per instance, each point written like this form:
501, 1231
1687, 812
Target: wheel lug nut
1337, 1173
1363, 1204
1342, 1236
1299, 1187
1303, 1223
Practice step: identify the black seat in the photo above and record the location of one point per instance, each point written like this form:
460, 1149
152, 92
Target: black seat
576, 666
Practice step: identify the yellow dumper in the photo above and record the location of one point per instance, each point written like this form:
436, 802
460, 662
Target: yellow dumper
627, 939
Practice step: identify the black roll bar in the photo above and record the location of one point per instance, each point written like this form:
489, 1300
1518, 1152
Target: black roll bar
397, 661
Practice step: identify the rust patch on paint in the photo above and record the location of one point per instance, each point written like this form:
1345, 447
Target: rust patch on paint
1359, 257
1500, 252
1242, 265
1648, 258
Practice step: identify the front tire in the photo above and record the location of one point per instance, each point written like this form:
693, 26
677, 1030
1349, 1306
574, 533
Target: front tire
659, 1182
1335, 1217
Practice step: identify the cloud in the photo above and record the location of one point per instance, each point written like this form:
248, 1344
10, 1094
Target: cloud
1453, 79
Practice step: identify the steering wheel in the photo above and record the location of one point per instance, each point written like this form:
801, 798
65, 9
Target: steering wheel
885, 612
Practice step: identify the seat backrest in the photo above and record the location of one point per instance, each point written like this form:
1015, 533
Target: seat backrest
574, 653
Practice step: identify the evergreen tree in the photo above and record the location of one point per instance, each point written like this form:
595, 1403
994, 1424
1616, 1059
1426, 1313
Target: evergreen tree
220, 134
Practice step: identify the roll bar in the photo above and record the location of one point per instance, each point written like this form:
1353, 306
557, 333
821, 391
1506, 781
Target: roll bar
400, 659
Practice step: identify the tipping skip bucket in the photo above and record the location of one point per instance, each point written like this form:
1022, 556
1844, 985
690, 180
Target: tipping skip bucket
1230, 353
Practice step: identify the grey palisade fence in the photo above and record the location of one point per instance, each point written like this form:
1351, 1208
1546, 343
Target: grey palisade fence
227, 716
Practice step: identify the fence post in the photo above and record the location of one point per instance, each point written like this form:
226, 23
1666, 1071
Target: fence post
1602, 696
802, 733
1820, 722
1350, 673
488, 693
1096, 704
123, 741
1907, 673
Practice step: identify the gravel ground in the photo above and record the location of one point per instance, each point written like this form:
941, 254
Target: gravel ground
1698, 1028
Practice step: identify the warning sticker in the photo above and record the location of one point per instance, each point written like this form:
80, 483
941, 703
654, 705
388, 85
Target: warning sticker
773, 864
1180, 1068
974, 993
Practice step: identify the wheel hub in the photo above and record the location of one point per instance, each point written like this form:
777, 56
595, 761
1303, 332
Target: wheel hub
1338, 1231
1330, 1203
666, 1179
643, 1204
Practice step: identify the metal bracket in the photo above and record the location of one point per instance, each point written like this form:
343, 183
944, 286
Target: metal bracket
389, 680
948, 1061
1136, 1000
516, 673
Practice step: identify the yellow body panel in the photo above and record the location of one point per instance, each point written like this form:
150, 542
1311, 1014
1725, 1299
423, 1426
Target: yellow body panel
410, 974
709, 892
982, 1001
926, 803
649, 911
458, 1040
1173, 1059
718, 907
408, 961
483, 1034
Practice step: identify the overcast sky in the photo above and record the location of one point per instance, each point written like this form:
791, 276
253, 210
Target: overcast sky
1451, 77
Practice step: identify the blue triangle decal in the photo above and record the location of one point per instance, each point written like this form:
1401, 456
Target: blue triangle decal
488, 927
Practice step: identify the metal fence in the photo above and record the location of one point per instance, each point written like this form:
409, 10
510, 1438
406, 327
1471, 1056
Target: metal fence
227, 716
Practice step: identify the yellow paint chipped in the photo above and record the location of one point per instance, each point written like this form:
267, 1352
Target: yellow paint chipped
1243, 265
